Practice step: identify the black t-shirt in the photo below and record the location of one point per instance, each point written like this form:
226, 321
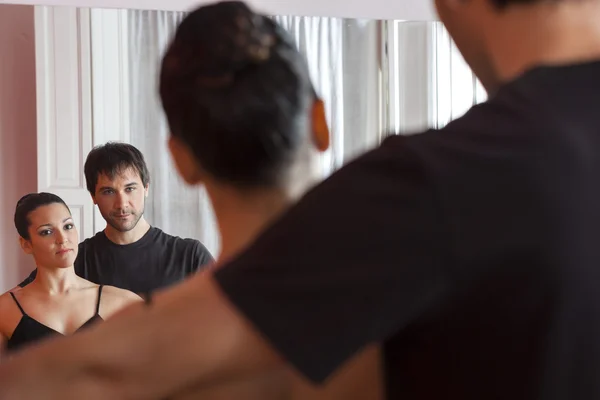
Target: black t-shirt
471, 253
155, 261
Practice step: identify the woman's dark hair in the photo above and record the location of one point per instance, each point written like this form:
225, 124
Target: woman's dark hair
29, 203
501, 4
236, 90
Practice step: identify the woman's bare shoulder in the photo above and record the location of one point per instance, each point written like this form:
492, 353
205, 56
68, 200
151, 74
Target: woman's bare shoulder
115, 299
9, 313
120, 294
6, 301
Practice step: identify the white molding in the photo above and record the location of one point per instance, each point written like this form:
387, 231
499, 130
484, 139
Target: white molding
110, 79
110, 82
64, 116
408, 10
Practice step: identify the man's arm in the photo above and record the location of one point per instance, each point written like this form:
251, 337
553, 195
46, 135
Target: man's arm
202, 257
133, 356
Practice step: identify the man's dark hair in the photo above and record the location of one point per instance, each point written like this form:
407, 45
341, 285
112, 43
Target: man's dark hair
236, 91
28, 203
112, 159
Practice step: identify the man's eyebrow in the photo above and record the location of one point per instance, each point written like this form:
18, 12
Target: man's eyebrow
130, 184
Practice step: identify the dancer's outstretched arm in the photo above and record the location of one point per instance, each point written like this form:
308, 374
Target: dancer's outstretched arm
189, 335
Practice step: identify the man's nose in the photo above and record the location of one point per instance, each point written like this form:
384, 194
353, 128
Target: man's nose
121, 201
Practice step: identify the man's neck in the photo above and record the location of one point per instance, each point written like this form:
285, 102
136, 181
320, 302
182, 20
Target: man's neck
131, 236
548, 33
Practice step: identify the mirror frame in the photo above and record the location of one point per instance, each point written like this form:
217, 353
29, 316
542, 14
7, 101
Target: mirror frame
407, 10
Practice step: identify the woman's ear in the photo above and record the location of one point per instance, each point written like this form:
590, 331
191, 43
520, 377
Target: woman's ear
320, 129
25, 245
185, 161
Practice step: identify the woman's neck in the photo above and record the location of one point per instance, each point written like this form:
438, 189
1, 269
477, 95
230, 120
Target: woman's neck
241, 217
243, 214
56, 281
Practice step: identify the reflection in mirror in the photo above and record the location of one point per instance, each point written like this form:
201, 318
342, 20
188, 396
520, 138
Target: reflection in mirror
343, 58
376, 78
429, 83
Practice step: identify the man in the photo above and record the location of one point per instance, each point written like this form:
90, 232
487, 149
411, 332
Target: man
129, 253
470, 253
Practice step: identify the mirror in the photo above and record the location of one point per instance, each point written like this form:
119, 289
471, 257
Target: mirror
374, 76
96, 81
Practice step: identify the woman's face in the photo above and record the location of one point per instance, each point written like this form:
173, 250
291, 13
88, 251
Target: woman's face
53, 239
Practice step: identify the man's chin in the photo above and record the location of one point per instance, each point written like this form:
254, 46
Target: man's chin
122, 227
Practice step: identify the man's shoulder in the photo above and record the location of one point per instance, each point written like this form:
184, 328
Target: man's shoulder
95, 240
160, 236
191, 250
500, 128
181, 244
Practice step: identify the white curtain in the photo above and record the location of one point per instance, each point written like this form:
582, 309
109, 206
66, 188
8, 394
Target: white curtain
343, 61
172, 205
428, 82
342, 56
455, 87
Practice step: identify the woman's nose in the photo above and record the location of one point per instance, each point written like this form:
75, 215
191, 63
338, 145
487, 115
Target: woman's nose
60, 238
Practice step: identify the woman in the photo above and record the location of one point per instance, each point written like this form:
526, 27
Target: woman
246, 123
57, 302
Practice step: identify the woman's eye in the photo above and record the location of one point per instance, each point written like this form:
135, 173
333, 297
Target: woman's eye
69, 226
45, 232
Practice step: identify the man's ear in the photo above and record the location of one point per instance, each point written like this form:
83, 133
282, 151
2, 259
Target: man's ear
320, 129
185, 161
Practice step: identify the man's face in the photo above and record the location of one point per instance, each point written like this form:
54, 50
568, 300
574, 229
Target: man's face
121, 199
468, 23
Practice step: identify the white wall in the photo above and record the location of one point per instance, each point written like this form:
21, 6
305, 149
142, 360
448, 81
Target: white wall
18, 155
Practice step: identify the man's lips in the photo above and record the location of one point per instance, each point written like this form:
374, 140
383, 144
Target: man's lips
122, 217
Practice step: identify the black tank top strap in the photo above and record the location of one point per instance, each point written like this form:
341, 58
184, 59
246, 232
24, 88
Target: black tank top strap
18, 304
99, 297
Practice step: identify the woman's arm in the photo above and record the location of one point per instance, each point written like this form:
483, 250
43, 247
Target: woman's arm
3, 340
5, 321
361, 378
189, 336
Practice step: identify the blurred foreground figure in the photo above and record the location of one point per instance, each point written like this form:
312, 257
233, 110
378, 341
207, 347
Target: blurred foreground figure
468, 253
